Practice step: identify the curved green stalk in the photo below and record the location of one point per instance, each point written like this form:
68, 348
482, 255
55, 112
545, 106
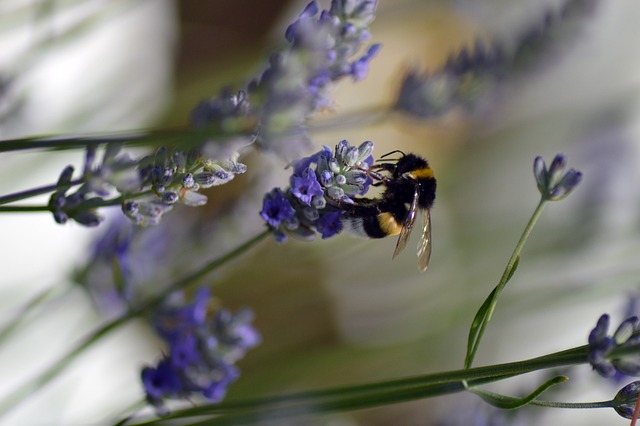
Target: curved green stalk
509, 402
486, 310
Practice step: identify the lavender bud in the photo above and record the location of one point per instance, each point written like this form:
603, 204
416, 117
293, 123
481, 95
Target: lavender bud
169, 197
554, 184
188, 181
626, 399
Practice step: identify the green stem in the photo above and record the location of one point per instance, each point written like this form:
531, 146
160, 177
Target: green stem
24, 209
339, 405
130, 412
50, 373
474, 340
187, 137
22, 315
374, 394
577, 405
104, 203
72, 142
17, 196
126, 138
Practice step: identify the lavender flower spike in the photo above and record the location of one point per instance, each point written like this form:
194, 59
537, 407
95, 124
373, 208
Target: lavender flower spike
602, 347
554, 184
321, 185
202, 351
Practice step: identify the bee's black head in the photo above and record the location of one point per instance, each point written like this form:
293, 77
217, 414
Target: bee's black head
410, 163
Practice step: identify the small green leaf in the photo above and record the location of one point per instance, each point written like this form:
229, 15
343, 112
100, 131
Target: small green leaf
480, 318
509, 402
512, 270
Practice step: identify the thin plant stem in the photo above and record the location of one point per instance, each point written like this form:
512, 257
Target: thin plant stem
386, 392
50, 373
508, 272
24, 209
104, 203
130, 412
573, 405
188, 137
17, 196
29, 307
67, 143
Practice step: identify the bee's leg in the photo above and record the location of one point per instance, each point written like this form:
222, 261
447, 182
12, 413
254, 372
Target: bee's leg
389, 167
375, 175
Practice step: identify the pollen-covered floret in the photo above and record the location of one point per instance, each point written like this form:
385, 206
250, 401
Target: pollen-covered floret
321, 185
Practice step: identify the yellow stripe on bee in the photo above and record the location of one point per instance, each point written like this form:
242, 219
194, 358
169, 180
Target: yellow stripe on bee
423, 173
388, 224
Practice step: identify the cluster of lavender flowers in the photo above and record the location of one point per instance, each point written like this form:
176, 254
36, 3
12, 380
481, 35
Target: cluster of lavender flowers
203, 349
122, 273
148, 187
202, 346
271, 111
320, 185
470, 78
176, 177
324, 48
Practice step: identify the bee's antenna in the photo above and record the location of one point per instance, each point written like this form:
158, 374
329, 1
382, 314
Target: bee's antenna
393, 152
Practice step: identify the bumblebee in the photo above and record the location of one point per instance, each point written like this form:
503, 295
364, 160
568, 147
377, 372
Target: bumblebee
409, 186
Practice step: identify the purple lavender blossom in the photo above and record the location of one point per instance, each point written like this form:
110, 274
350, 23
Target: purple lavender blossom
79, 205
217, 389
555, 184
305, 187
293, 31
202, 351
324, 48
173, 320
161, 381
602, 347
471, 77
360, 68
300, 165
329, 224
123, 271
319, 184
225, 107
276, 208
235, 334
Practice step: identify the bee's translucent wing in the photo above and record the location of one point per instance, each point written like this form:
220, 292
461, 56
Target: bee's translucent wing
424, 245
407, 226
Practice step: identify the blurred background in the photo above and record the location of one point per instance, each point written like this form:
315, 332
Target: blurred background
336, 312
